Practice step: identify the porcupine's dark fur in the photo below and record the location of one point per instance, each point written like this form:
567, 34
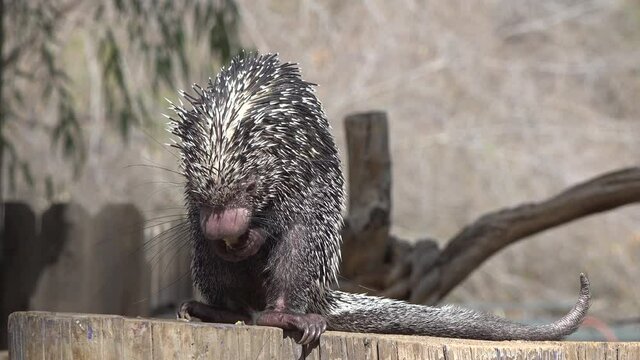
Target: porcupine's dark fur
261, 165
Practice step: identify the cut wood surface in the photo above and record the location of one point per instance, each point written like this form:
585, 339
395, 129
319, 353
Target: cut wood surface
45, 335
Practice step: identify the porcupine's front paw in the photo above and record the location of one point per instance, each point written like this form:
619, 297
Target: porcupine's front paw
311, 325
185, 310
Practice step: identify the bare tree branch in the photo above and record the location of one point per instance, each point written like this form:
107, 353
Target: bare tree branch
494, 231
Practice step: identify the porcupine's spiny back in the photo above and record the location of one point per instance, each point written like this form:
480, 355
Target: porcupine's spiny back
258, 121
213, 144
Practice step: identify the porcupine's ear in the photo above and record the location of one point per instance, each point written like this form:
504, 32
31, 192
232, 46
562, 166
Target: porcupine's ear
251, 186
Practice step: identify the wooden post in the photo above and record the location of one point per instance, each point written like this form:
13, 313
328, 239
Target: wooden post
366, 232
41, 335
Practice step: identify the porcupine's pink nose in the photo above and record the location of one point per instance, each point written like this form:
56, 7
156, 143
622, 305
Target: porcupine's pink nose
224, 224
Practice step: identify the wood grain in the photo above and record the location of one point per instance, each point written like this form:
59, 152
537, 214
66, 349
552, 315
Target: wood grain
46, 335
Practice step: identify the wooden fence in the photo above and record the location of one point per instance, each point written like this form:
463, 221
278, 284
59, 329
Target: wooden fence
67, 260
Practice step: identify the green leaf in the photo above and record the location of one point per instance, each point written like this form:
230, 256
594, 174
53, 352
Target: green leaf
155, 30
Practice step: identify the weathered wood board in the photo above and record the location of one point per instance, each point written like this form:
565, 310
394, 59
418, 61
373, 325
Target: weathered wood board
45, 335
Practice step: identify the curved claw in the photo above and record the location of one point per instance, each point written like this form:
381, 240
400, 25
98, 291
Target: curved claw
313, 335
304, 340
311, 325
184, 311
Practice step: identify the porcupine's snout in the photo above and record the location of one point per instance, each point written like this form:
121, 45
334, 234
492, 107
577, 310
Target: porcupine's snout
229, 232
224, 224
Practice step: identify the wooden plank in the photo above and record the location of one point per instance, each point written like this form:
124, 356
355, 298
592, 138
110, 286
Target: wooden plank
289, 349
65, 329
624, 351
412, 350
174, 339
361, 347
17, 337
387, 348
263, 346
34, 330
227, 343
333, 347
45, 335
170, 340
65, 283
112, 332
205, 346
137, 341
83, 338
292, 350
53, 341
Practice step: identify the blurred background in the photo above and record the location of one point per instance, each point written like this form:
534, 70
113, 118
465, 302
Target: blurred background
491, 104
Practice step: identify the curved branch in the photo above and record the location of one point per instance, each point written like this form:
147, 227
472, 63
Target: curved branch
490, 233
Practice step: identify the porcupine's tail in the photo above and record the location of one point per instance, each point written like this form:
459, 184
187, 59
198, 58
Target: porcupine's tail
361, 313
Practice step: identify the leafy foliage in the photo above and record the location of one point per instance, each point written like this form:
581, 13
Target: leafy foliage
154, 33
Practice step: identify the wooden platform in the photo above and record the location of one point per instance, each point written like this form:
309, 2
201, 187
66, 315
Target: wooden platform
44, 335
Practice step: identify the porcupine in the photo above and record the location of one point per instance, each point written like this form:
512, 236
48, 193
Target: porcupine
265, 192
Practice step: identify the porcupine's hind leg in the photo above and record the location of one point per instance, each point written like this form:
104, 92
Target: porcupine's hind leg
208, 313
291, 285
